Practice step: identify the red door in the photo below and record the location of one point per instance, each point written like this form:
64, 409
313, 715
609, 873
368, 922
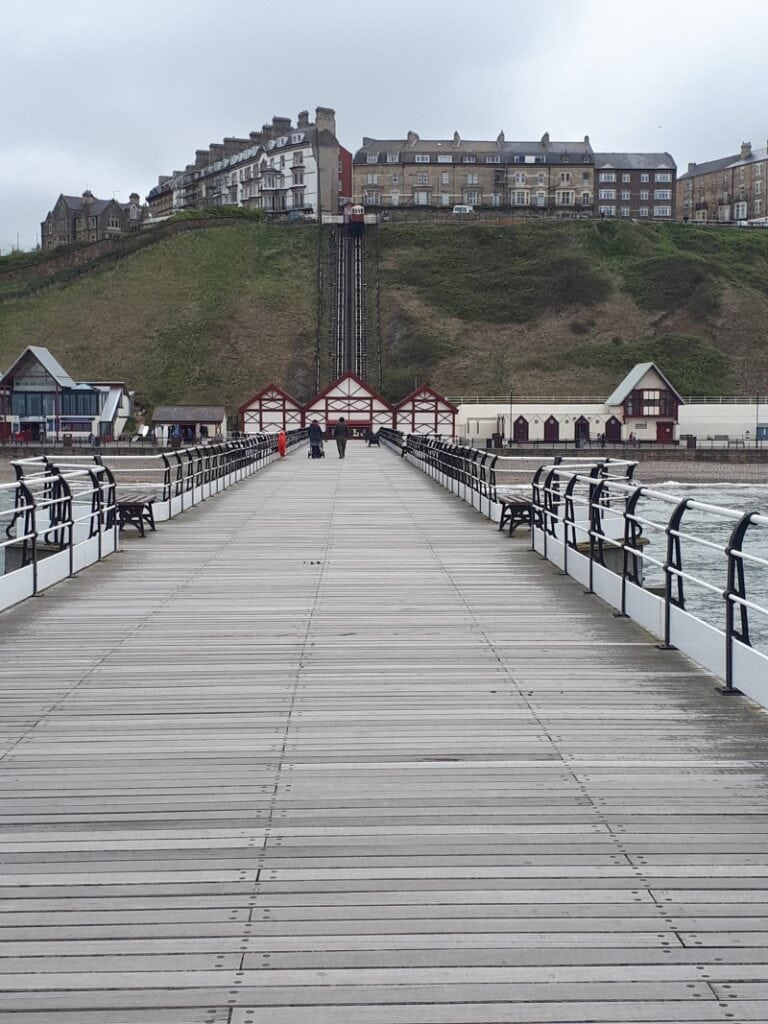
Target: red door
613, 430
664, 433
551, 429
520, 430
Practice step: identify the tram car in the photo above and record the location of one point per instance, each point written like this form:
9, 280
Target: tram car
355, 217
354, 214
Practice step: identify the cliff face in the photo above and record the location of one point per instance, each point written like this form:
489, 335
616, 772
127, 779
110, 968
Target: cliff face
212, 315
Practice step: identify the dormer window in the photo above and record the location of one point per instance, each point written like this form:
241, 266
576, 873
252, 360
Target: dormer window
422, 158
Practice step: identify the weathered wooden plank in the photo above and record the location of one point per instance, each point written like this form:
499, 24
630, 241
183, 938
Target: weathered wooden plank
363, 759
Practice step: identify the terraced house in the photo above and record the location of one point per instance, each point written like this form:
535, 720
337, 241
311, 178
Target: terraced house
729, 190
565, 178
282, 169
443, 173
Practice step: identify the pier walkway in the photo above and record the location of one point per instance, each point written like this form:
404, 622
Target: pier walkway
330, 749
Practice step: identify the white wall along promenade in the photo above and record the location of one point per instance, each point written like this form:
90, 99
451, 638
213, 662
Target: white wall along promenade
331, 748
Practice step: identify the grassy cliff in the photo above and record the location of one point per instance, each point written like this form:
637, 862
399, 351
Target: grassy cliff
567, 308
208, 316
539, 307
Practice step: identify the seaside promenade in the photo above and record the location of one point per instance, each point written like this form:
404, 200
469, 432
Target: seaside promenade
330, 749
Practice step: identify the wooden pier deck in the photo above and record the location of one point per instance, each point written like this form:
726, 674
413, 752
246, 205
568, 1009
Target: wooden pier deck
330, 749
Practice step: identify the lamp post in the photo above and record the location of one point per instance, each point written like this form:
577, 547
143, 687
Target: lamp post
511, 427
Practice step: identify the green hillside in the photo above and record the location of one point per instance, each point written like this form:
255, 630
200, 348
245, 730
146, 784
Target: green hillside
208, 316
540, 307
568, 307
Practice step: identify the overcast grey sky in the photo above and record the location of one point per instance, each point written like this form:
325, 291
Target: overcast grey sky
107, 94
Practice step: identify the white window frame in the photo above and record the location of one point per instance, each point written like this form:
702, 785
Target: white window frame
606, 193
607, 211
607, 176
662, 211
421, 158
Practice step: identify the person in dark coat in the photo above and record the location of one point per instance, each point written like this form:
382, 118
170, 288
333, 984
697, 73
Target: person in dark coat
341, 433
316, 439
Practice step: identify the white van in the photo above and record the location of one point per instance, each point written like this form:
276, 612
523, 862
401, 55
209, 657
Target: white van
462, 211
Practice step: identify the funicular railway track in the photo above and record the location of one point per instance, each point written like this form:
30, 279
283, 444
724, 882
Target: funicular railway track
350, 320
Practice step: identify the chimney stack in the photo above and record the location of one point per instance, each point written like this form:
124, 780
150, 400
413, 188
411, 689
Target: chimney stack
302, 119
325, 119
281, 126
746, 150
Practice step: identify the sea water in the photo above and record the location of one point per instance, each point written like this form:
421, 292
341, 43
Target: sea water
707, 564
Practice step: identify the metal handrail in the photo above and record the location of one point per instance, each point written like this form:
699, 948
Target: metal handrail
60, 500
676, 576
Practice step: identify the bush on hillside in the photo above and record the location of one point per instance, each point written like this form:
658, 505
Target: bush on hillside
694, 365
667, 282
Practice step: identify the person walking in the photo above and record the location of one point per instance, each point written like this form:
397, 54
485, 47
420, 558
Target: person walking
341, 433
316, 439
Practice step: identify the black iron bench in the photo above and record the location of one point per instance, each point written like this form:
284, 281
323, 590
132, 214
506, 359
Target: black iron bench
135, 510
514, 512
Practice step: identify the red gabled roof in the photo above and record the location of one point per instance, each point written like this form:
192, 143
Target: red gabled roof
429, 390
358, 380
269, 387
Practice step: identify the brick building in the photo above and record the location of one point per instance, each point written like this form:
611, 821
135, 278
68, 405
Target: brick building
728, 190
635, 185
280, 169
88, 219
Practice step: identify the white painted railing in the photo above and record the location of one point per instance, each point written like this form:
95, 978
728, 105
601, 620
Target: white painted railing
61, 514
588, 518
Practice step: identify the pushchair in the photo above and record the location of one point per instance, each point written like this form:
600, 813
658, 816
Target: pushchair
316, 451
